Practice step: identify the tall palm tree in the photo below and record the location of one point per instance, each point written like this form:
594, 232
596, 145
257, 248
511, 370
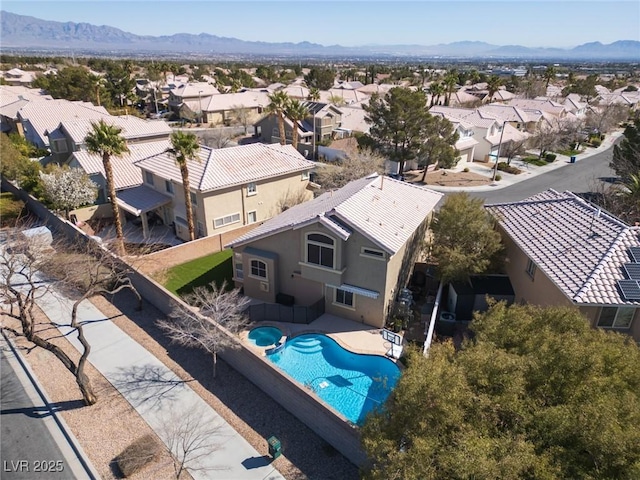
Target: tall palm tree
314, 94
436, 89
296, 112
549, 74
450, 81
184, 148
105, 140
493, 84
279, 101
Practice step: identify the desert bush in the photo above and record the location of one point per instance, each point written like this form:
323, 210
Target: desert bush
466, 170
505, 167
138, 455
498, 177
595, 143
550, 157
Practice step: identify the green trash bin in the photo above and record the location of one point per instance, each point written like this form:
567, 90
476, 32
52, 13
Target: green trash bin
275, 447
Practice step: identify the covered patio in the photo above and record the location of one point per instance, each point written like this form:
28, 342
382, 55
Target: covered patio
139, 201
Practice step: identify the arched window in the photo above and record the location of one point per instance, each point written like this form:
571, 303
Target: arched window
320, 250
258, 269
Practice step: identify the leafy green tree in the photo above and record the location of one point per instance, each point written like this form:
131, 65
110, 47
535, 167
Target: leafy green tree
279, 101
296, 112
398, 124
120, 85
626, 154
106, 141
184, 148
464, 239
15, 164
321, 78
73, 83
439, 147
536, 394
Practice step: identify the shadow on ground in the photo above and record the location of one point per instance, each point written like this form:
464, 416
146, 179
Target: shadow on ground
315, 458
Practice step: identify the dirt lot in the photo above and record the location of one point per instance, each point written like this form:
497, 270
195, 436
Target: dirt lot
450, 179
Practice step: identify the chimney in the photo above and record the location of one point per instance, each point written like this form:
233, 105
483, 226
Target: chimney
381, 181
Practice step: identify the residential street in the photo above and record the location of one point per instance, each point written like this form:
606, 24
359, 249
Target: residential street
577, 177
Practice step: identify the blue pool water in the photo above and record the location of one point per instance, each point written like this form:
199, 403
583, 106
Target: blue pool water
351, 383
265, 336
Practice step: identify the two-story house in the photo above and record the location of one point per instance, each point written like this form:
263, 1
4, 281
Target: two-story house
562, 250
230, 187
352, 249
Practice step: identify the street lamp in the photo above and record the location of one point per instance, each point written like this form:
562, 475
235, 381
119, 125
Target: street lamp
495, 166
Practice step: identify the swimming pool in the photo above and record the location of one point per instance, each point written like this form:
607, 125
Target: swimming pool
352, 383
265, 336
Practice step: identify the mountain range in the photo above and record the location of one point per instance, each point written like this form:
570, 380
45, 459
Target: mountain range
24, 32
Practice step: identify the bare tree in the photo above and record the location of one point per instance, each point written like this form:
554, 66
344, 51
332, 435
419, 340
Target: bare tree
606, 117
545, 138
512, 148
190, 438
352, 167
217, 138
290, 199
209, 321
242, 115
29, 270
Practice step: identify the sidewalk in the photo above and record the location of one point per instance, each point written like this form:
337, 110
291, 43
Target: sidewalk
528, 171
157, 394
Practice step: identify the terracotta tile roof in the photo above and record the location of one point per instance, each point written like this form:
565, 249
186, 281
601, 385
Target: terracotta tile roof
231, 166
384, 210
580, 248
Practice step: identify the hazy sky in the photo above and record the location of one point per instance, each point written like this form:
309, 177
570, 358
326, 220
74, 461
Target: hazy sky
559, 23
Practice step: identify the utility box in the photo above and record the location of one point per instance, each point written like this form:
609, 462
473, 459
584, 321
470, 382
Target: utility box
275, 447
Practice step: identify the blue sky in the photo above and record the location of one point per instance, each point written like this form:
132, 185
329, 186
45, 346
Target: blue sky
563, 23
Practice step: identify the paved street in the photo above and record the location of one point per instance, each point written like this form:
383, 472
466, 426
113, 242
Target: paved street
32, 441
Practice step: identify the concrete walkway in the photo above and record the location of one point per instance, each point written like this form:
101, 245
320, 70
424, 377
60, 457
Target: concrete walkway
528, 171
163, 400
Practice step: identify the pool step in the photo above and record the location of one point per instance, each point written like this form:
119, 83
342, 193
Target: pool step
311, 345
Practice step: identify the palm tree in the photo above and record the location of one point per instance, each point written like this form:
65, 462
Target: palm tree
493, 84
105, 140
279, 101
436, 89
450, 81
297, 112
185, 147
314, 94
549, 74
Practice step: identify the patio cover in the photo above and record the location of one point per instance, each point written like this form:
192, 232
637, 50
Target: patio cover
141, 199
358, 290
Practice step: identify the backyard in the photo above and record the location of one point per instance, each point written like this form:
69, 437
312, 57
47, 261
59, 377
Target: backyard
217, 267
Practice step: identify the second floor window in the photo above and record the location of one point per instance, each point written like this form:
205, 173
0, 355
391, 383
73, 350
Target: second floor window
148, 177
194, 199
320, 250
168, 186
252, 188
258, 269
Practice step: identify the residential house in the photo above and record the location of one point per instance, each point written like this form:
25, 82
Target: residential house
19, 77
224, 108
69, 136
12, 99
188, 100
574, 105
230, 187
562, 250
352, 249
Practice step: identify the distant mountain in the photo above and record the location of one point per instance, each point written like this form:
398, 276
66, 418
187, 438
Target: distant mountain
24, 32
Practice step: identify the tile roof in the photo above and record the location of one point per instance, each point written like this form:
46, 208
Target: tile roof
195, 90
580, 248
132, 128
231, 166
125, 173
229, 101
469, 115
384, 210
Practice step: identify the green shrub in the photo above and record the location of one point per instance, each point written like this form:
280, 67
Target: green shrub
138, 455
505, 167
550, 157
498, 177
595, 143
466, 170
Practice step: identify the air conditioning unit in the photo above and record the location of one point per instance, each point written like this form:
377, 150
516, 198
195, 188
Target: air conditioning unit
264, 286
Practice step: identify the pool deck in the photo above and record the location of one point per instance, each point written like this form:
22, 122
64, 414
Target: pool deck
353, 336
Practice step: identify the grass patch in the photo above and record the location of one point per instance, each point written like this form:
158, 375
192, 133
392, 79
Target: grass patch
182, 279
538, 162
10, 209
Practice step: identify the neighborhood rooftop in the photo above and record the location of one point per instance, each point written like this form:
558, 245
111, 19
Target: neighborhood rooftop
384, 210
216, 169
582, 249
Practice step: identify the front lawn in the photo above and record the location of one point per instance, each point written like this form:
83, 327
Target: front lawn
10, 209
182, 279
538, 162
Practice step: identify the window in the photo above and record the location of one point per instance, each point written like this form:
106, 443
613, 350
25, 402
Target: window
252, 217
531, 268
238, 266
226, 220
194, 199
373, 253
616, 317
168, 186
344, 298
305, 175
252, 188
60, 146
258, 268
320, 250
148, 177
200, 230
